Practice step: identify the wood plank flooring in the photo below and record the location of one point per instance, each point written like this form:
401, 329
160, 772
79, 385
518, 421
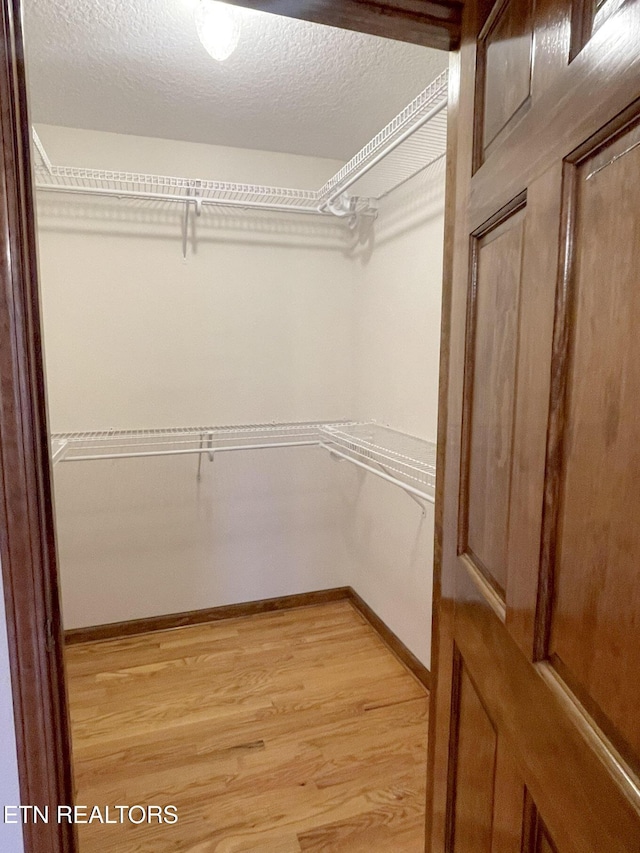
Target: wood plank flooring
286, 732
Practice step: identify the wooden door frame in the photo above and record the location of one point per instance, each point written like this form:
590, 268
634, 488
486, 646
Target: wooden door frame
27, 540
27, 544
431, 23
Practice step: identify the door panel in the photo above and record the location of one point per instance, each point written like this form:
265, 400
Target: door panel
482, 772
504, 74
510, 793
488, 416
595, 629
536, 740
535, 347
564, 776
573, 101
473, 767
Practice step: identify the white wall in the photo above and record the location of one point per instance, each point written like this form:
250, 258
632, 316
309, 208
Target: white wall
10, 834
255, 327
398, 339
142, 537
397, 308
271, 318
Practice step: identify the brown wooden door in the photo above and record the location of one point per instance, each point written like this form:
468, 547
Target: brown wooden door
536, 716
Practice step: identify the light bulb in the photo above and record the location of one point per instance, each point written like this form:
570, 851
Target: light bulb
218, 28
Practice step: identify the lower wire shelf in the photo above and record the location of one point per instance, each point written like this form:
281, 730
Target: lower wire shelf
401, 459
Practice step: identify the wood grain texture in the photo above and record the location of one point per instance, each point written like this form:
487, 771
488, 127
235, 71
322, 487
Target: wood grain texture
552, 739
391, 640
588, 17
536, 839
286, 732
509, 792
490, 395
505, 50
473, 766
550, 743
454, 305
545, 844
118, 630
537, 307
432, 23
27, 538
564, 112
582, 18
595, 629
438, 613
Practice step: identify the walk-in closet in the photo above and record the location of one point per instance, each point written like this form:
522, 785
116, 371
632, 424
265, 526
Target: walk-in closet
240, 261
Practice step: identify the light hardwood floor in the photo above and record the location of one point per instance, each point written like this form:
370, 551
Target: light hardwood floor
279, 733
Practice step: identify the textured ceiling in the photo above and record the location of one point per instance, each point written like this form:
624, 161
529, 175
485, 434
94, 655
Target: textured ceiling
137, 67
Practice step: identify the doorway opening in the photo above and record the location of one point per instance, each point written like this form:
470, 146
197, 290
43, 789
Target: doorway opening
222, 244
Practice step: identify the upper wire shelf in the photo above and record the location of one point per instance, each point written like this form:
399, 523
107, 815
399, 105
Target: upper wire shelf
404, 460
71, 179
413, 140
123, 444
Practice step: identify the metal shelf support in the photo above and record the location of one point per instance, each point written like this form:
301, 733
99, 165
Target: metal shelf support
410, 490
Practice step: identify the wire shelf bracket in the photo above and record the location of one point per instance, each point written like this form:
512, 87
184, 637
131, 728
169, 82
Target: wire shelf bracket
59, 448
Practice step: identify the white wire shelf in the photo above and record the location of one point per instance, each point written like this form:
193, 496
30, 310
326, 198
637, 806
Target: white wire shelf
407, 145
68, 179
401, 459
125, 444
412, 141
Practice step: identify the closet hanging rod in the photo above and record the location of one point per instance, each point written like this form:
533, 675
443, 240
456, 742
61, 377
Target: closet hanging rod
388, 477
188, 199
211, 451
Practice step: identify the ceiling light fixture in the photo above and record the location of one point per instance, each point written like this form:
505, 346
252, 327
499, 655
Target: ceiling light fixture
218, 28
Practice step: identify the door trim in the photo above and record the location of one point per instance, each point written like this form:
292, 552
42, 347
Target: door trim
27, 546
431, 23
